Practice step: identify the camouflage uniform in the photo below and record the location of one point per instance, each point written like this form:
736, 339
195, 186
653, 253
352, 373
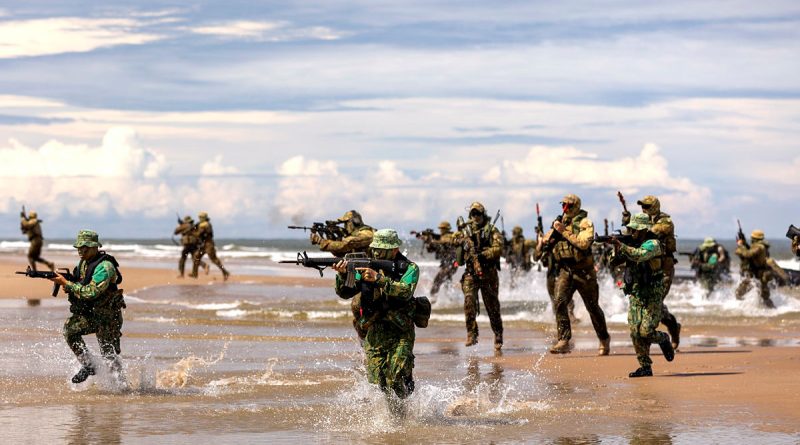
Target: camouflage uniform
796, 246
754, 265
707, 261
387, 317
546, 257
205, 233
358, 237
31, 226
644, 284
664, 229
519, 254
190, 242
572, 251
96, 304
445, 253
487, 244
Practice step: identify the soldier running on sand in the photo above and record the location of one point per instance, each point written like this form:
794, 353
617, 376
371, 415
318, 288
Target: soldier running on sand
31, 226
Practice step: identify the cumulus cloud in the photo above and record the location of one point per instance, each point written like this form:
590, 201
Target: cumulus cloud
215, 168
266, 31
38, 37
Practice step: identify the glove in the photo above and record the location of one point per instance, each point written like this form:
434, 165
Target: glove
315, 239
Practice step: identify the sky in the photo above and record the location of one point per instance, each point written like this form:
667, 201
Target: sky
263, 114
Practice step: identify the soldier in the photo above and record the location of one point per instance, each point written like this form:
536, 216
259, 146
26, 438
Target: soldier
358, 237
190, 242
664, 230
205, 233
707, 261
445, 253
31, 226
481, 245
644, 284
519, 254
388, 315
570, 240
754, 265
96, 304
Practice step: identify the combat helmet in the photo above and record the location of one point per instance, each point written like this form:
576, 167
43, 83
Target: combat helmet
650, 204
352, 216
88, 238
202, 216
385, 239
188, 219
640, 221
33, 214
477, 206
757, 234
574, 203
444, 226
516, 231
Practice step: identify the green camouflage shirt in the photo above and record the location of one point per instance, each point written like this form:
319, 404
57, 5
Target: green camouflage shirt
104, 275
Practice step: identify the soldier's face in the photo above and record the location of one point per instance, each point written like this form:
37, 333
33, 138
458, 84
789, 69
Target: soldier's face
384, 254
648, 209
86, 252
476, 217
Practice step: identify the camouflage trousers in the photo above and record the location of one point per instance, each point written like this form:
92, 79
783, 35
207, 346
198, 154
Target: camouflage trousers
390, 358
206, 249
445, 273
644, 315
763, 282
35, 254
107, 327
489, 287
551, 291
585, 282
667, 319
188, 252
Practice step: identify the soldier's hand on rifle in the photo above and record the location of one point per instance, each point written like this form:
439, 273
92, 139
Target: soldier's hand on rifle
616, 242
739, 242
59, 279
340, 267
315, 238
559, 226
368, 274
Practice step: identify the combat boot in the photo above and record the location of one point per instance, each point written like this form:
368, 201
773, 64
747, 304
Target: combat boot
642, 372
472, 340
605, 347
83, 374
666, 349
498, 342
675, 333
225, 275
561, 347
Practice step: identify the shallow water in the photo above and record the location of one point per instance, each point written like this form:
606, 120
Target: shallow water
271, 364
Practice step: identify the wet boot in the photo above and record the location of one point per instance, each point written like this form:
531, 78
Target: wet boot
605, 347
498, 342
225, 274
561, 347
472, 340
641, 372
676, 336
666, 349
83, 374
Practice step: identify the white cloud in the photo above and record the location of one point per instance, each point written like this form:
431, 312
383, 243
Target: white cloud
299, 166
38, 37
215, 168
266, 31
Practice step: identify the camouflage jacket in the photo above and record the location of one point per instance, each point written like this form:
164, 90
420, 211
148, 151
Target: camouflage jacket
358, 241
443, 247
663, 228
574, 245
31, 227
520, 251
643, 271
204, 232
754, 259
488, 243
390, 298
98, 291
188, 233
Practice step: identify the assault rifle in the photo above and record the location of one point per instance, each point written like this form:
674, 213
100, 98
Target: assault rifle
740, 235
607, 239
355, 262
793, 232
30, 273
622, 201
329, 229
426, 235
539, 225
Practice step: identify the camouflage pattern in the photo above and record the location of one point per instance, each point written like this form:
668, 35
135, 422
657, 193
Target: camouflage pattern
646, 292
754, 265
707, 261
356, 241
519, 254
87, 238
190, 242
386, 316
96, 309
385, 239
31, 226
205, 233
488, 244
664, 229
445, 252
572, 256
796, 246
552, 273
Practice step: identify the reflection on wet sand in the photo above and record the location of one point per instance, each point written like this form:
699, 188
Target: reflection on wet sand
95, 424
650, 433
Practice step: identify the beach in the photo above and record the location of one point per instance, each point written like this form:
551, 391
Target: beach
273, 358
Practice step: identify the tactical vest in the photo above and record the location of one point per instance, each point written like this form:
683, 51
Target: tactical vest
207, 233
399, 312
484, 240
645, 273
565, 253
110, 299
668, 242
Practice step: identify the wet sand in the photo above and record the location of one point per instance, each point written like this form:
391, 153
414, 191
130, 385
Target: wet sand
202, 370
